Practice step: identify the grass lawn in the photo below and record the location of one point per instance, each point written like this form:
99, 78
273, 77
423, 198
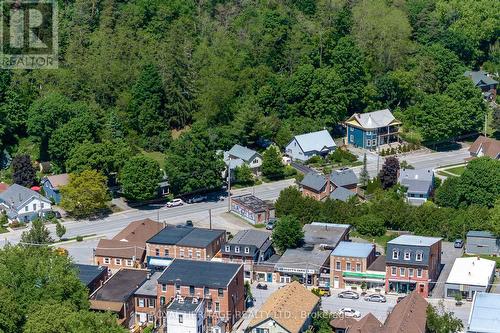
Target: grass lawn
379, 240
157, 156
456, 171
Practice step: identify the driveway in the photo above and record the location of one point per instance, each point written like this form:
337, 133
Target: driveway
448, 256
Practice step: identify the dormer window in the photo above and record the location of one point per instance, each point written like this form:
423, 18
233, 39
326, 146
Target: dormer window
395, 254
228, 248
237, 249
247, 250
419, 256
407, 255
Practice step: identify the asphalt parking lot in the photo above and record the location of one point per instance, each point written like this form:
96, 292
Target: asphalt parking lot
448, 256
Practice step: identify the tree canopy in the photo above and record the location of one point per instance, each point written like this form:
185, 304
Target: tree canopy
139, 178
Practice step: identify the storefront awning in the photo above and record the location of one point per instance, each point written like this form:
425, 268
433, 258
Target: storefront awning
363, 275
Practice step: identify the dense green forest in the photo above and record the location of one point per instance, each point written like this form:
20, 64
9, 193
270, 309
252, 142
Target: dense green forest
186, 78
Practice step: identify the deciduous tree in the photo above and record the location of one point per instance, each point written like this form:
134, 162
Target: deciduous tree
287, 233
389, 173
139, 178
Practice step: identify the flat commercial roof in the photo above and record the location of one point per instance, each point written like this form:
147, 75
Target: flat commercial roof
120, 286
485, 313
351, 249
414, 240
252, 202
324, 233
471, 271
303, 259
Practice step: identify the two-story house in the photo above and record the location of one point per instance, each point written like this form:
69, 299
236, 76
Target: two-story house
303, 147
220, 285
239, 155
145, 300
52, 186
372, 129
184, 242
248, 247
338, 185
485, 82
23, 204
349, 264
419, 184
186, 315
484, 146
412, 263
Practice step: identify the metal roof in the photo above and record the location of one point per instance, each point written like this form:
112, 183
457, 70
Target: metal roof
375, 119
352, 249
416, 174
343, 177
483, 234
120, 286
199, 273
485, 313
416, 186
186, 305
243, 153
414, 240
315, 141
303, 259
250, 237
88, 273
16, 195
186, 236
480, 78
341, 194
148, 288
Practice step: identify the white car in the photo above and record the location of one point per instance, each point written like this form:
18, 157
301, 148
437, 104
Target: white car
175, 203
348, 312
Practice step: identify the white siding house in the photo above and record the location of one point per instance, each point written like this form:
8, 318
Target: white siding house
186, 315
23, 204
303, 147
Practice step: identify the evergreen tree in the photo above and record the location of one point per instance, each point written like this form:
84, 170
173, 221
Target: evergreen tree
364, 176
272, 166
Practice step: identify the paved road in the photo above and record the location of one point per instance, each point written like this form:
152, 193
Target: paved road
113, 224
448, 256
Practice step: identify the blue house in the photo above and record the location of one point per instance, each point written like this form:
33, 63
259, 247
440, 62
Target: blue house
52, 185
372, 129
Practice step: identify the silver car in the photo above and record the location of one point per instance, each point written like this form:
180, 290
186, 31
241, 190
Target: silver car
349, 294
376, 298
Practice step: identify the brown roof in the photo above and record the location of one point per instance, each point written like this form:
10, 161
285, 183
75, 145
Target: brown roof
287, 306
368, 324
106, 305
3, 187
59, 180
139, 231
378, 264
342, 322
490, 147
408, 316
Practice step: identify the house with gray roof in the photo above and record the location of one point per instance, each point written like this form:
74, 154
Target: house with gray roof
146, 310
419, 184
303, 147
372, 129
239, 155
248, 247
339, 185
482, 242
485, 82
23, 204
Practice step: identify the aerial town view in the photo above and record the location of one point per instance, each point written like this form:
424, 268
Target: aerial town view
249, 166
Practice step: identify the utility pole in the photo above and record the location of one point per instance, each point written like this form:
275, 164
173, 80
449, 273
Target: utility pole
229, 187
485, 123
210, 217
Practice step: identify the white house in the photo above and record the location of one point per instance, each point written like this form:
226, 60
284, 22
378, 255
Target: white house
303, 147
186, 315
23, 204
239, 155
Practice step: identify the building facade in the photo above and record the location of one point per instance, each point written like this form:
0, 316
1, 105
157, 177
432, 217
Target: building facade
372, 129
145, 300
52, 186
469, 276
412, 263
186, 315
349, 263
23, 204
252, 209
419, 184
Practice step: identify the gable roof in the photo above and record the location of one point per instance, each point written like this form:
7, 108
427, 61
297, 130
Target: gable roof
407, 316
16, 196
314, 181
139, 231
367, 324
343, 177
480, 78
196, 273
57, 181
243, 153
372, 120
489, 146
342, 194
287, 306
250, 237
315, 141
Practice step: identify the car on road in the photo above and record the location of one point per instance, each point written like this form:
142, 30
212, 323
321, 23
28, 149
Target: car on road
376, 298
189, 223
348, 294
322, 292
270, 224
175, 203
262, 286
458, 244
349, 312
197, 198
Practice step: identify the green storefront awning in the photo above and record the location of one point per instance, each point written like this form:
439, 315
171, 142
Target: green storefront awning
363, 275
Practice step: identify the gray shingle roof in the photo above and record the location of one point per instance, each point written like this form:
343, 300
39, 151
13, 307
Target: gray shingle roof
483, 234
186, 236
417, 186
315, 141
186, 306
121, 286
480, 78
416, 181
148, 288
16, 195
314, 180
343, 177
199, 273
250, 237
341, 194
88, 273
242, 152
375, 119
324, 233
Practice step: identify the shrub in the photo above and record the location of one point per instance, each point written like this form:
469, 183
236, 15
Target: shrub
79, 238
314, 160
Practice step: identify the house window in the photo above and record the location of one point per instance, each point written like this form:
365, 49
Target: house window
181, 319
34, 206
220, 292
164, 287
358, 267
337, 266
151, 318
166, 252
228, 248
217, 306
419, 255
128, 262
209, 305
407, 255
178, 288
42, 205
347, 266
206, 291
162, 300
140, 302
118, 261
419, 272
395, 254
26, 208
237, 249
393, 271
198, 254
374, 142
181, 253
151, 302
191, 290
190, 253
402, 271
107, 261
351, 139
410, 272
157, 252
247, 249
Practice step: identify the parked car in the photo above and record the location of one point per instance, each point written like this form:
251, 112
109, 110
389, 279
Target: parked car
349, 312
262, 286
189, 223
458, 244
348, 294
270, 224
52, 214
197, 198
376, 298
175, 203
322, 292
